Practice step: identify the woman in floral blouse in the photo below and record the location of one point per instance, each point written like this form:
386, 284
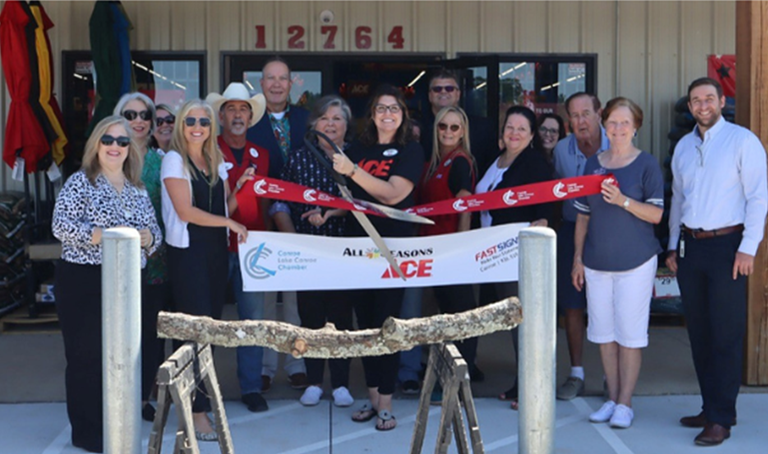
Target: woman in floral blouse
140, 112
331, 116
106, 192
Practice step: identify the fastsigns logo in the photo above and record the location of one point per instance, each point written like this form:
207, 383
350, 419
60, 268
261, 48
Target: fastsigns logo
252, 266
509, 198
459, 205
309, 195
558, 190
257, 187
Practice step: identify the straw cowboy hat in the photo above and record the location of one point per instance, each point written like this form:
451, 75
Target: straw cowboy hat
238, 92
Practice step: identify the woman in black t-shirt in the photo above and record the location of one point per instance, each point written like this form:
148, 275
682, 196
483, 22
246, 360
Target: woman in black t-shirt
384, 166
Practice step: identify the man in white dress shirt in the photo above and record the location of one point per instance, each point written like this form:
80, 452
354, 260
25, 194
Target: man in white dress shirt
717, 217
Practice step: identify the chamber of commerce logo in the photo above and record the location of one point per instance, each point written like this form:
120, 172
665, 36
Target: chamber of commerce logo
558, 190
309, 195
257, 187
252, 266
459, 205
509, 198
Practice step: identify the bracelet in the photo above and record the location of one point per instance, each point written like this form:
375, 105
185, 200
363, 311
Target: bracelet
238, 186
352, 173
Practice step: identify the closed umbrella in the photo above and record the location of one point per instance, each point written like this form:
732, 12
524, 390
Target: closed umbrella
45, 70
106, 62
122, 28
24, 136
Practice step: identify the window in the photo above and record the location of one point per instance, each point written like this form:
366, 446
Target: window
167, 78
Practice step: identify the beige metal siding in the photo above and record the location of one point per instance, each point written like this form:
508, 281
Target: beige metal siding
648, 51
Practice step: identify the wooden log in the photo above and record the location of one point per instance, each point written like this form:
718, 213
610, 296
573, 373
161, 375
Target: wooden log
395, 335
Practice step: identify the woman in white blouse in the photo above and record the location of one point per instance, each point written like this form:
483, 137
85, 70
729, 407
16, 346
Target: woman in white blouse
106, 192
195, 212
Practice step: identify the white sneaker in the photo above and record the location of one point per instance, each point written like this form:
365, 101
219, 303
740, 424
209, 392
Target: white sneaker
605, 412
311, 396
622, 417
342, 397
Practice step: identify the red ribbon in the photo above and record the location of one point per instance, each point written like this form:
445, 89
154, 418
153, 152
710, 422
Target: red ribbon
516, 196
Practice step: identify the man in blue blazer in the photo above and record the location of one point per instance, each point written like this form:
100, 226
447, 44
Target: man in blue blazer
282, 129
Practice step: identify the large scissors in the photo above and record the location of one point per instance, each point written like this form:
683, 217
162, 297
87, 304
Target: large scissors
346, 194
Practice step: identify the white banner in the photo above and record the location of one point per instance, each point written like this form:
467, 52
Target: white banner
271, 261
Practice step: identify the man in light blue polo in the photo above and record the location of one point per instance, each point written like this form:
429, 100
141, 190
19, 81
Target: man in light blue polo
570, 155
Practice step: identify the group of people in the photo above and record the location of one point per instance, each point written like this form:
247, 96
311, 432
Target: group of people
168, 175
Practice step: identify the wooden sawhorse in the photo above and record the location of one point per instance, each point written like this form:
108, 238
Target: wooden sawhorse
177, 381
447, 365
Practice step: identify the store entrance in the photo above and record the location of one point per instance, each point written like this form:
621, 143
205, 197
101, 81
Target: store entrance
490, 83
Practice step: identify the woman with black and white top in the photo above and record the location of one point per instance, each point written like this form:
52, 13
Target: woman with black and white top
195, 213
106, 192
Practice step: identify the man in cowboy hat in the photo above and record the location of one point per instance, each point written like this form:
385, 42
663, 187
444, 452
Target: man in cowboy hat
237, 112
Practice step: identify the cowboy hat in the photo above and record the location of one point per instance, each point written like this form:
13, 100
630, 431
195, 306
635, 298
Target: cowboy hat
238, 92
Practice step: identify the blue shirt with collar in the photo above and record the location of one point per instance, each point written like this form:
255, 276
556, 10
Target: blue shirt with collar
570, 162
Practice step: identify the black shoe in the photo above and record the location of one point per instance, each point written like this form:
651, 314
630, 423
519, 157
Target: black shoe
255, 402
475, 374
89, 447
410, 387
148, 412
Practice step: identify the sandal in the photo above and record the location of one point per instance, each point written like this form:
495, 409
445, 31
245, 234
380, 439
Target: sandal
385, 417
510, 394
514, 405
365, 414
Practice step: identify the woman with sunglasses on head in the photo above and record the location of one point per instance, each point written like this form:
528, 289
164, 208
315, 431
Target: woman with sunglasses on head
550, 129
106, 192
519, 163
384, 166
165, 118
139, 111
451, 173
196, 202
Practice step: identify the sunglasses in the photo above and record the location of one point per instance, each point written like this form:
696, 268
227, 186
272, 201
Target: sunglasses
204, 122
122, 141
131, 115
445, 88
381, 108
544, 130
443, 127
170, 119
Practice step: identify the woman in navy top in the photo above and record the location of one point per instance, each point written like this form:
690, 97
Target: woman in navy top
615, 253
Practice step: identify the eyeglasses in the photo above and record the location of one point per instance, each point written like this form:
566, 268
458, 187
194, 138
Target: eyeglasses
443, 127
122, 141
170, 119
445, 88
204, 122
381, 108
131, 115
543, 130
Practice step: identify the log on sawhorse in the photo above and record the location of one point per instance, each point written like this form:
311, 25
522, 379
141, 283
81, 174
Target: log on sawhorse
446, 365
178, 379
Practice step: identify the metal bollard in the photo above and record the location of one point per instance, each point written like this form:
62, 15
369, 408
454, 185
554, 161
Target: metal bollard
536, 424
121, 340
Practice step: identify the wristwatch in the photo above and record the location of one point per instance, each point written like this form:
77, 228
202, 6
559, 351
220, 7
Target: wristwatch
626, 203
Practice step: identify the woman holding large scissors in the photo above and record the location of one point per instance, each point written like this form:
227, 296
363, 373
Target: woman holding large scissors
384, 166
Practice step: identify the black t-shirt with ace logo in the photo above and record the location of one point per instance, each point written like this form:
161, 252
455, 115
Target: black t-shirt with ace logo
383, 162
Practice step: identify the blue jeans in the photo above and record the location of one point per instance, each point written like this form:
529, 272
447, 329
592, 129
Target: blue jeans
250, 306
410, 361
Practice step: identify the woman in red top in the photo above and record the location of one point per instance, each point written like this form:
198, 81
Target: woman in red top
451, 174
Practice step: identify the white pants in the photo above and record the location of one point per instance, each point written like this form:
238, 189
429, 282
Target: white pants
290, 314
619, 304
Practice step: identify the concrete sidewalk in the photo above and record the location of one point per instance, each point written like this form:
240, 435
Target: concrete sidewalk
289, 428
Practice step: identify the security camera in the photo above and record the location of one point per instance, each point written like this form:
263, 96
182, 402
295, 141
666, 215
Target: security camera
326, 16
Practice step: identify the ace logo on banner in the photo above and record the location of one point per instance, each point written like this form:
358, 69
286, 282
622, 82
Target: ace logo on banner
271, 261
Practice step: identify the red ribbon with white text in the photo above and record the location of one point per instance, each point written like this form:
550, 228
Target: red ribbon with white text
516, 196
